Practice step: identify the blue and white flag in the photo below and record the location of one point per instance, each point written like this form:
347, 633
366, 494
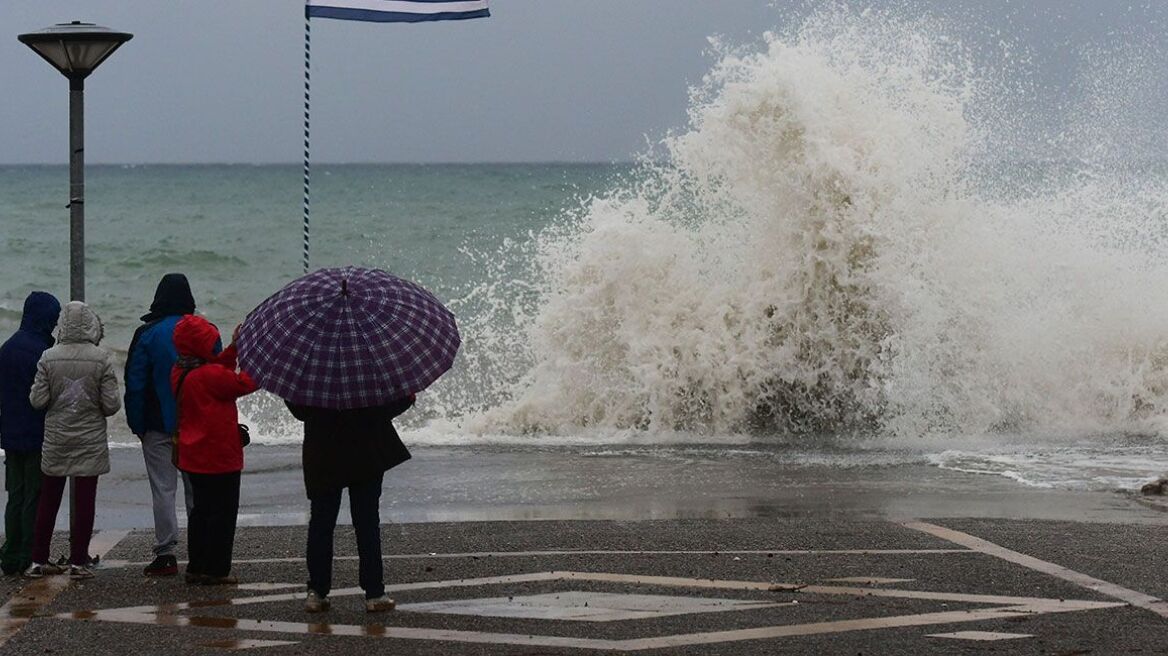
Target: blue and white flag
397, 11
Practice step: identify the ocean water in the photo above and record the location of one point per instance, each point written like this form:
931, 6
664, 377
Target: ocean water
852, 253
236, 231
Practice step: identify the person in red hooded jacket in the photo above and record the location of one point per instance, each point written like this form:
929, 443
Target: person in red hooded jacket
209, 448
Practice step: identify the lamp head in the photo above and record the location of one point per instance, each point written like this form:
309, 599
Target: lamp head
76, 48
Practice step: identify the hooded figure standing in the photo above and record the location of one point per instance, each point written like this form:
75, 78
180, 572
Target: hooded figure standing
22, 427
210, 447
150, 411
77, 385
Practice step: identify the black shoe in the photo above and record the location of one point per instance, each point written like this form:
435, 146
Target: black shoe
162, 566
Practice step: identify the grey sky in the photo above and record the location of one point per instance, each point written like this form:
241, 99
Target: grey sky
220, 80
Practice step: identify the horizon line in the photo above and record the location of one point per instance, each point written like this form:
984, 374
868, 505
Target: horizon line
344, 163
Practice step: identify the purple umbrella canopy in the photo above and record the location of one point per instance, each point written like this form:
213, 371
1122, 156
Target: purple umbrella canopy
348, 338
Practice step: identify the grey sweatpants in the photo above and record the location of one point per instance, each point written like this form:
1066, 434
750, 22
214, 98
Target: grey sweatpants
163, 477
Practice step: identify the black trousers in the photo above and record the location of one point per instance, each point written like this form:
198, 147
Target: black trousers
211, 526
364, 499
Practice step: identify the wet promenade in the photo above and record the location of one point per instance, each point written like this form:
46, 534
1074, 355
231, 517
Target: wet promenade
833, 584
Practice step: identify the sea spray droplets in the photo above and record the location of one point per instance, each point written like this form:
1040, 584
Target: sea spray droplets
678, 305
813, 256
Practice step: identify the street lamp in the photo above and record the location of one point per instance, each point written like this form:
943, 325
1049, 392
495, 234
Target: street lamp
76, 49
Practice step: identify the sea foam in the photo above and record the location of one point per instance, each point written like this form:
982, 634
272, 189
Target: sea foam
837, 243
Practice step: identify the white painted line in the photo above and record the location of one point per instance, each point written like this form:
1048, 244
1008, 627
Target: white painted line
1137, 599
348, 592
105, 541
24, 604
1046, 605
987, 636
869, 580
571, 552
355, 630
406, 633
233, 645
266, 587
672, 581
816, 628
1005, 607
478, 637
586, 606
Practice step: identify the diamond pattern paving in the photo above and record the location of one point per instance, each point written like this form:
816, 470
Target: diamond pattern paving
586, 606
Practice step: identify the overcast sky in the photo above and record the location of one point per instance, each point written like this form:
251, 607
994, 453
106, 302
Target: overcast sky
542, 80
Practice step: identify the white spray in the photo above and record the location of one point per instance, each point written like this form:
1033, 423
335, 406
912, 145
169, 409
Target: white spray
817, 254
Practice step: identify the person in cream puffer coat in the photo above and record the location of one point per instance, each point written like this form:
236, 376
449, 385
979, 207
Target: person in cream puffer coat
77, 384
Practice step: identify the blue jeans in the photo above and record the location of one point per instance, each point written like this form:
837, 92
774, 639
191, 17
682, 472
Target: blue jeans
364, 501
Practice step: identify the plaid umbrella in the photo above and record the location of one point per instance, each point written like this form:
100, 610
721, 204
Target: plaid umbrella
348, 338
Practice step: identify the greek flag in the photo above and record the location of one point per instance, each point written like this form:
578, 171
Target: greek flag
397, 11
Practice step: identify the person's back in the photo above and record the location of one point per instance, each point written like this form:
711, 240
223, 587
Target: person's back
150, 411
210, 450
149, 400
348, 449
76, 383
208, 423
22, 427
344, 447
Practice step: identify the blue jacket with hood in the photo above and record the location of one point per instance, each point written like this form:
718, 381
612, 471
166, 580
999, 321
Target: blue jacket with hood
22, 428
149, 399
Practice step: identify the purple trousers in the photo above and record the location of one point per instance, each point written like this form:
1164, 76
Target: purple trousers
80, 518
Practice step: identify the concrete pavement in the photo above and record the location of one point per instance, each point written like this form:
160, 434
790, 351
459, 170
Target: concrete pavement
799, 585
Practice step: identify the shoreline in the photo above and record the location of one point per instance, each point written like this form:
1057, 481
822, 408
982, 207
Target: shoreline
481, 483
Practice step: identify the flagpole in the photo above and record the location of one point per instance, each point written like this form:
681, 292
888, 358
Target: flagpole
307, 114
400, 11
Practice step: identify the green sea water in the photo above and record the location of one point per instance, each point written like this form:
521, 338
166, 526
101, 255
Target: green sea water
236, 231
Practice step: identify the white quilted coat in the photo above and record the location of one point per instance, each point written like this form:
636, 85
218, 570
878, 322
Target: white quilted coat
76, 381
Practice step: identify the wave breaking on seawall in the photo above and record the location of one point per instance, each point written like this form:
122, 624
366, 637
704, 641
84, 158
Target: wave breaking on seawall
839, 242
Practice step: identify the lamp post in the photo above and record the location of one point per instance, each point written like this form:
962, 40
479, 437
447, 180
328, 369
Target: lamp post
76, 49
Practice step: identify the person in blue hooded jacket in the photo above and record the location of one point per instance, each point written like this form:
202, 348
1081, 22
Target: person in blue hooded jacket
150, 411
22, 428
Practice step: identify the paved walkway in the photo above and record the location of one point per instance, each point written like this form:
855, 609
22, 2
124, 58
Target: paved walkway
761, 586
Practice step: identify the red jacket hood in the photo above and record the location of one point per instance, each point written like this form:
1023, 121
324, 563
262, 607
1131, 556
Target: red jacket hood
195, 336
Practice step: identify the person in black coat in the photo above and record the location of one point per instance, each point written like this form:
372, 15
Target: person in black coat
22, 427
348, 449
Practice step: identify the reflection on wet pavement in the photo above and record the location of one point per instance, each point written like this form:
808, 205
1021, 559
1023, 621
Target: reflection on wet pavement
999, 607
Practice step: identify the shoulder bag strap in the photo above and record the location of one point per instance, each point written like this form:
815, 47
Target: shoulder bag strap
177, 416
